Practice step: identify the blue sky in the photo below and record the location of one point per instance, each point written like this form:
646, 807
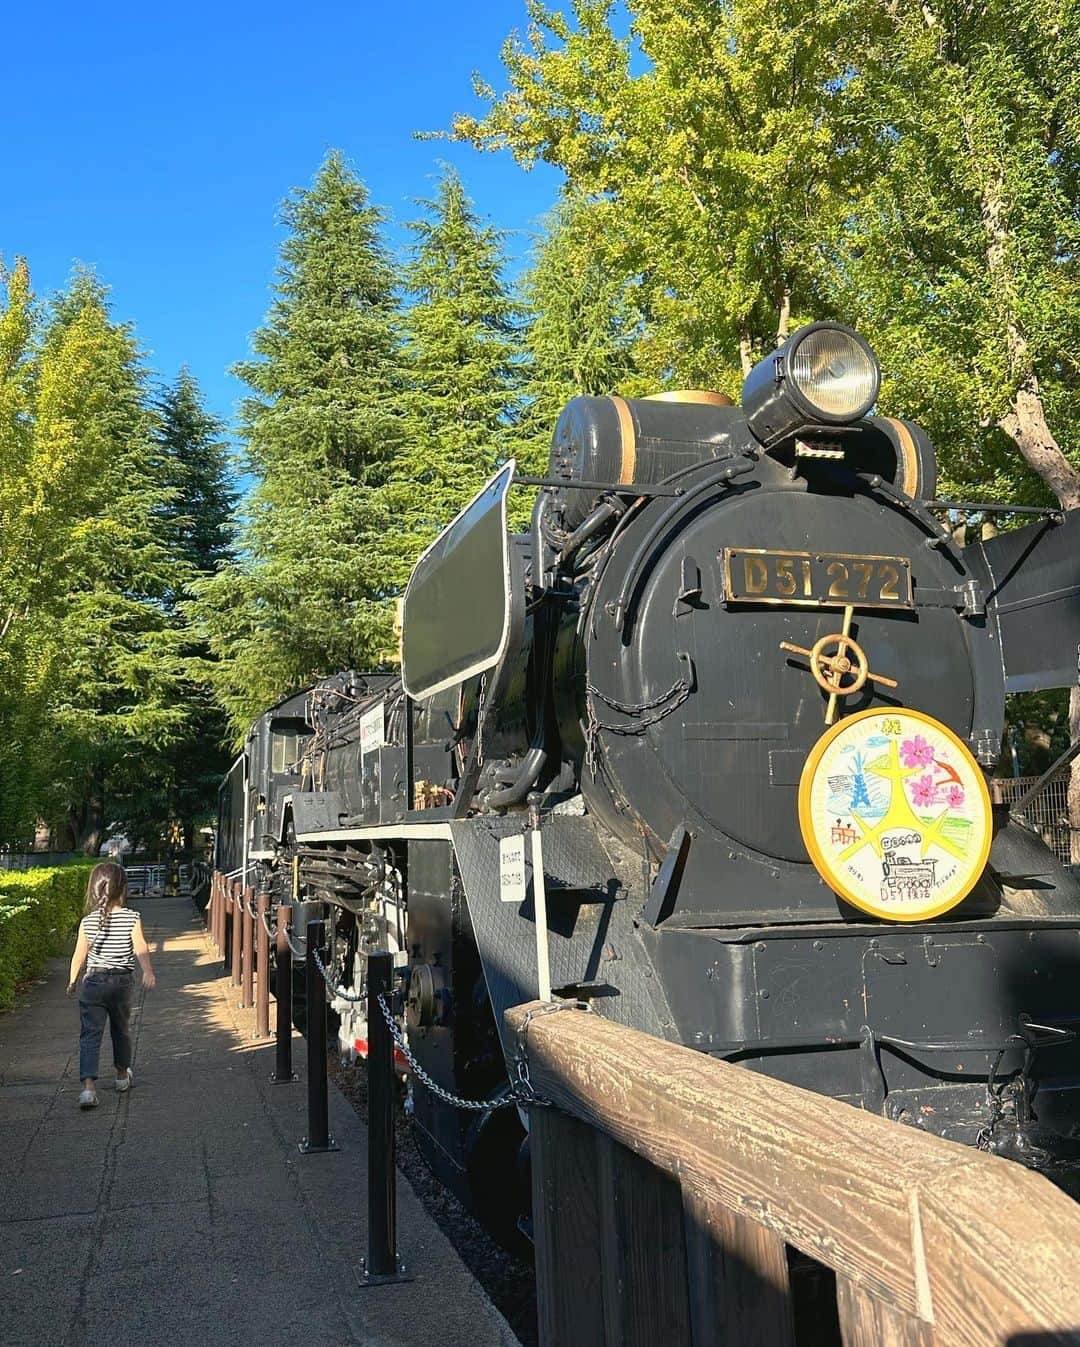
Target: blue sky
155, 143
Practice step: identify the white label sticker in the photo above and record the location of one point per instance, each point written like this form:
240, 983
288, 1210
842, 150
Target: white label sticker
372, 729
512, 869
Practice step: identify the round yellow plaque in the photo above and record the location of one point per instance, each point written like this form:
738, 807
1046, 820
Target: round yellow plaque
895, 814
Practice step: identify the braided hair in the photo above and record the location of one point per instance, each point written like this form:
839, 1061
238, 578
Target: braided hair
106, 889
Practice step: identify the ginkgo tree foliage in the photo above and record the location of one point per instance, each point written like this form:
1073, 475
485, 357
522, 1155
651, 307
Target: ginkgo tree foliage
906, 166
584, 326
720, 137
93, 664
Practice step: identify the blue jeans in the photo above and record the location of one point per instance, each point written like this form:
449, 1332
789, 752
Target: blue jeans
105, 996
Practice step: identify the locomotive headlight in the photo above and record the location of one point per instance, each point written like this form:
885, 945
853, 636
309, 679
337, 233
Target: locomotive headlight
824, 374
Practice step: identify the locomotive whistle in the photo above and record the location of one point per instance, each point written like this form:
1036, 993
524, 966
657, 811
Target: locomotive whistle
829, 669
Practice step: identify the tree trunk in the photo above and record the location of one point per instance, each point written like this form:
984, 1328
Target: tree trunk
746, 355
63, 836
783, 322
1025, 423
92, 829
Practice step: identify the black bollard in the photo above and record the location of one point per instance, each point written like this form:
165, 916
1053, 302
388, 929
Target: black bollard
381, 1264
318, 1138
283, 1072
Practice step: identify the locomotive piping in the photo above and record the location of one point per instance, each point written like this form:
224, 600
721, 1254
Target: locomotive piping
531, 767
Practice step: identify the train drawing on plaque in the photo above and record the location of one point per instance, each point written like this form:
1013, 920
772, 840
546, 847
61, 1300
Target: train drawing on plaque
904, 878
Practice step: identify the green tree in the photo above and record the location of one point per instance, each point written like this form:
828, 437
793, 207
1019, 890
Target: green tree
962, 254
20, 672
582, 326
464, 353
321, 431
197, 525
965, 253
194, 458
722, 139
84, 573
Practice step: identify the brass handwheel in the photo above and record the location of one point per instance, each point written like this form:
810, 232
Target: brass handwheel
839, 664
829, 670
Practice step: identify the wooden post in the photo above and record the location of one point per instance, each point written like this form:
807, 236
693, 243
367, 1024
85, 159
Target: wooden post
247, 953
262, 969
234, 893
643, 1254
566, 1230
211, 912
219, 914
737, 1275
283, 1073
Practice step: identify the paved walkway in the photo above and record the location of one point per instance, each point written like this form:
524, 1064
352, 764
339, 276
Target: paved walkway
182, 1213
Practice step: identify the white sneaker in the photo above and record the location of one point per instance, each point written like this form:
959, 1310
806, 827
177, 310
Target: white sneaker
88, 1099
124, 1082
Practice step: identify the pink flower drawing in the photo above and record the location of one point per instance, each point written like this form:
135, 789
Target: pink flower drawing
955, 797
923, 790
916, 752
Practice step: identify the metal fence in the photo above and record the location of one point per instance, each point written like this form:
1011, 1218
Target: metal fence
153, 881
1048, 810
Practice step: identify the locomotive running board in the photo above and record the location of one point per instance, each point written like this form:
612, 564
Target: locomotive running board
1034, 594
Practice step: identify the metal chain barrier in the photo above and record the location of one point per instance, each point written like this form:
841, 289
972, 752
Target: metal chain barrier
270, 931
335, 989
522, 1093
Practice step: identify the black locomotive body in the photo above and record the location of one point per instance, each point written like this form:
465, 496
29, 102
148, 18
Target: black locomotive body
639, 682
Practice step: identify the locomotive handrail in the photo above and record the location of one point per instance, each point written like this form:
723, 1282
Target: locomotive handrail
714, 1169
719, 479
1048, 512
579, 484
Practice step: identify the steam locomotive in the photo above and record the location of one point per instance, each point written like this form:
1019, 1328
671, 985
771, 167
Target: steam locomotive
709, 749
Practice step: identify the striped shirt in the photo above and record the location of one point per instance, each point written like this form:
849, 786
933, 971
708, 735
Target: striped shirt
115, 950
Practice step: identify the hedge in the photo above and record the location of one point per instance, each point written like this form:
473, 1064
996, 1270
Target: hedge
38, 911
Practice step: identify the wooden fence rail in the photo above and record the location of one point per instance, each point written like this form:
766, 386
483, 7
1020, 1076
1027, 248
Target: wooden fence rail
670, 1191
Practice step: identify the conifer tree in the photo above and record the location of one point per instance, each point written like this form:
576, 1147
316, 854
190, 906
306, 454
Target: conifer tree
581, 329
195, 460
197, 525
464, 354
321, 431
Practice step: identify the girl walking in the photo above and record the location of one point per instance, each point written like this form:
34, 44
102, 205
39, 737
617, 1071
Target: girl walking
110, 940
